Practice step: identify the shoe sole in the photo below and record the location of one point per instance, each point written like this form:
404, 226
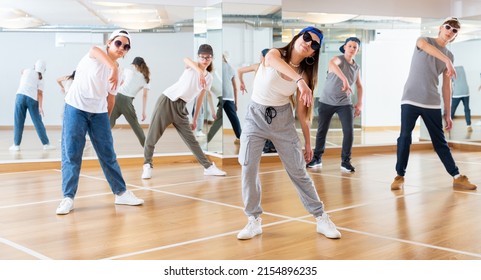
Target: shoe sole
247, 238
315, 166
462, 187
64, 213
347, 170
130, 204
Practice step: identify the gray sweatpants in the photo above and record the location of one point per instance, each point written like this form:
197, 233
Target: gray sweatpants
282, 132
124, 106
168, 112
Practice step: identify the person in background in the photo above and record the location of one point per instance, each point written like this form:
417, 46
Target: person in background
30, 98
88, 104
268, 145
461, 93
337, 98
284, 72
135, 79
430, 59
65, 82
227, 101
170, 108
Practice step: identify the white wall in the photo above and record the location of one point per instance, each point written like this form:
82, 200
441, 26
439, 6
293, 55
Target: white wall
163, 52
386, 63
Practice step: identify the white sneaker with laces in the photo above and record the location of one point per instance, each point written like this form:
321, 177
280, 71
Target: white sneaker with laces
327, 227
49, 147
252, 228
14, 148
214, 171
65, 206
147, 171
128, 198
199, 133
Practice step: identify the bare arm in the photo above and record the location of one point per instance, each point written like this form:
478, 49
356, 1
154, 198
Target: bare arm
198, 105
40, 101
446, 89
358, 106
59, 82
302, 114
144, 104
240, 73
110, 103
334, 67
234, 86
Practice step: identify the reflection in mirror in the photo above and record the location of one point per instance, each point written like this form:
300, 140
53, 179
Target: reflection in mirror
208, 30
62, 40
465, 105
383, 40
247, 29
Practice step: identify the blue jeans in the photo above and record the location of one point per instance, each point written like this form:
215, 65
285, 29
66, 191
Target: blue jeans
346, 117
467, 111
76, 124
22, 104
433, 120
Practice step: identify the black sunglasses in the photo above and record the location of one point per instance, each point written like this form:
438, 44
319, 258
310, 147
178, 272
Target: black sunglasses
448, 27
118, 44
308, 38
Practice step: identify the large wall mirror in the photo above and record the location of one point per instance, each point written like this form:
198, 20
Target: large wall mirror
161, 34
386, 43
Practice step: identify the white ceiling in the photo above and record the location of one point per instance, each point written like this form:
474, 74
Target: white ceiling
98, 13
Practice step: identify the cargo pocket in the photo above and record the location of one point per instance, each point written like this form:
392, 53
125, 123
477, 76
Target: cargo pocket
243, 152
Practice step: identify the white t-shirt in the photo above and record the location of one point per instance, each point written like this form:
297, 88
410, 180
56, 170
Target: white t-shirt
188, 86
133, 81
30, 83
91, 86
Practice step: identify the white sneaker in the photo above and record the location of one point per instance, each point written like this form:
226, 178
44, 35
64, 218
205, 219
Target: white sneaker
147, 172
128, 198
14, 148
252, 228
327, 227
65, 206
49, 147
199, 133
214, 171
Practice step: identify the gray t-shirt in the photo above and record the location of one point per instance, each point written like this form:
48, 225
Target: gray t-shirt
227, 74
333, 94
421, 88
460, 84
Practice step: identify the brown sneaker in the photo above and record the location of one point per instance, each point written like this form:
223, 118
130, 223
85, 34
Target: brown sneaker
462, 182
398, 183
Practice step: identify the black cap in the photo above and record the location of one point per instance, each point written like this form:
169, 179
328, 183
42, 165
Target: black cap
138, 61
205, 48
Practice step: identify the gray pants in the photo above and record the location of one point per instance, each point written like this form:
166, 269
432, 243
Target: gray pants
282, 132
124, 106
168, 112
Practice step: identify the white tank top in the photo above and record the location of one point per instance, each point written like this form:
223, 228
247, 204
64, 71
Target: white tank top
270, 89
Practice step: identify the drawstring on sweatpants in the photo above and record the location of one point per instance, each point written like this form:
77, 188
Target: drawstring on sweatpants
269, 114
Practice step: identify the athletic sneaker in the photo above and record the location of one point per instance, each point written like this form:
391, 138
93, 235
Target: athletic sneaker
252, 228
214, 171
327, 227
14, 148
65, 206
49, 147
128, 198
147, 171
199, 133
398, 183
462, 182
347, 166
315, 162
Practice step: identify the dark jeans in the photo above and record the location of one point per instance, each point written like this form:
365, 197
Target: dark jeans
433, 120
467, 112
346, 117
229, 108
